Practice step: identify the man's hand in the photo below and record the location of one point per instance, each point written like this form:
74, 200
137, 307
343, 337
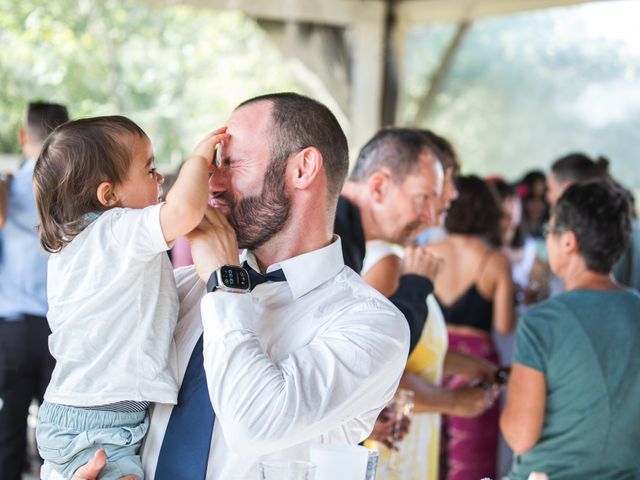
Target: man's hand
93, 467
472, 401
387, 430
213, 244
419, 261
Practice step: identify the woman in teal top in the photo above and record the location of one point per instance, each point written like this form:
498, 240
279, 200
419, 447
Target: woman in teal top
573, 406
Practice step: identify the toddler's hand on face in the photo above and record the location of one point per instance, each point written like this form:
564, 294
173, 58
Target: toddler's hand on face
207, 146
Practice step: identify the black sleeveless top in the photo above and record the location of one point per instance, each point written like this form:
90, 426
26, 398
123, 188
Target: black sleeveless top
471, 309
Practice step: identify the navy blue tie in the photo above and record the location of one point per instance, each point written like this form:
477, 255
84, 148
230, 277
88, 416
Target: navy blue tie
184, 453
185, 448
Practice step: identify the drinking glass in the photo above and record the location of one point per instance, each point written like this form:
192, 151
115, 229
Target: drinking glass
372, 464
400, 407
287, 470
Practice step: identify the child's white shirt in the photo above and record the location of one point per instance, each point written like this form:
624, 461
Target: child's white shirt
113, 307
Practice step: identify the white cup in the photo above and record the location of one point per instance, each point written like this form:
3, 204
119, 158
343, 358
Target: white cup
339, 461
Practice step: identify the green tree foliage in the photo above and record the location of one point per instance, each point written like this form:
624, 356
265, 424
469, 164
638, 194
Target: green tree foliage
177, 71
525, 89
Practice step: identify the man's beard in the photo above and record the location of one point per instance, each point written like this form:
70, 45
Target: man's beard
258, 218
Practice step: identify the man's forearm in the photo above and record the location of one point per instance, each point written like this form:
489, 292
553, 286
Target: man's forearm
429, 398
469, 366
264, 405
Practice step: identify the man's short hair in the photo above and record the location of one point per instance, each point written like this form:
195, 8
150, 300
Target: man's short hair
397, 149
43, 118
445, 151
578, 167
300, 122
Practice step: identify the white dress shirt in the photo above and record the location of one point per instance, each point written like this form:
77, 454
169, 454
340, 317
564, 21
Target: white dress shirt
312, 360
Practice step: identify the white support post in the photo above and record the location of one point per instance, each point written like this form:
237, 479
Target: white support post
367, 75
400, 45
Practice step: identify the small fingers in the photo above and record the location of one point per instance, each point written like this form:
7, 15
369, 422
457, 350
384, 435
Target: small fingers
207, 145
219, 130
216, 133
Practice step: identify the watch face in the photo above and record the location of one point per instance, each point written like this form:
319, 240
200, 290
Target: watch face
235, 278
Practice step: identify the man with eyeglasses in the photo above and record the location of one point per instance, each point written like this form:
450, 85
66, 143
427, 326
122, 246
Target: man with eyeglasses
393, 189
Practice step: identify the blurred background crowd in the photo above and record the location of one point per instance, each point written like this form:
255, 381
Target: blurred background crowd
525, 122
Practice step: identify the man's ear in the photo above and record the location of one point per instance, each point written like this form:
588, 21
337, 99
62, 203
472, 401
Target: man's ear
378, 184
307, 165
106, 194
569, 242
22, 136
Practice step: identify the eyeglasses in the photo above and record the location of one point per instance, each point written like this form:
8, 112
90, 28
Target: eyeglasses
547, 229
424, 204
421, 202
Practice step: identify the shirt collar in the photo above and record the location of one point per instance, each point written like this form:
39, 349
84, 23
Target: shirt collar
309, 270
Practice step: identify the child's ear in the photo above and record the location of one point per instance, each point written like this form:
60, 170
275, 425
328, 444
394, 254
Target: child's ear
106, 194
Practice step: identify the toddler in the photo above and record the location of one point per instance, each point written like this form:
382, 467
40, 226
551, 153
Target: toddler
112, 297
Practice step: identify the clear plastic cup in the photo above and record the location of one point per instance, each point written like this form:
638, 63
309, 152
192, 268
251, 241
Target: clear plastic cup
287, 470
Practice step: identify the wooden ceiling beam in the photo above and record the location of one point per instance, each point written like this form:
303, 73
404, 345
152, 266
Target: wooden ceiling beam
339, 13
417, 12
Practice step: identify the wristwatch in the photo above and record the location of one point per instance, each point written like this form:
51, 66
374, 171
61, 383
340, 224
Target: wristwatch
229, 278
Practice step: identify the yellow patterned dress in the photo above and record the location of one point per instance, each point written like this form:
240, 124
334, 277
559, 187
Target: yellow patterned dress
419, 453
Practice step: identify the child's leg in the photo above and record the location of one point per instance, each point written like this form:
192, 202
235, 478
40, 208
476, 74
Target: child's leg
68, 438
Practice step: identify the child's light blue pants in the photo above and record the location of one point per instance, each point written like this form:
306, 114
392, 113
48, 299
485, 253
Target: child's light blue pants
68, 437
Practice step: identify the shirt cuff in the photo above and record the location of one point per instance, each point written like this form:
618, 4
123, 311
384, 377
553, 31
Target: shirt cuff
416, 285
224, 313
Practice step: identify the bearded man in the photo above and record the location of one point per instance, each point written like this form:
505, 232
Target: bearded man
311, 354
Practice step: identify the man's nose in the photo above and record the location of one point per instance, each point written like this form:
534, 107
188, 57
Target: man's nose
426, 213
159, 178
218, 179
454, 193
